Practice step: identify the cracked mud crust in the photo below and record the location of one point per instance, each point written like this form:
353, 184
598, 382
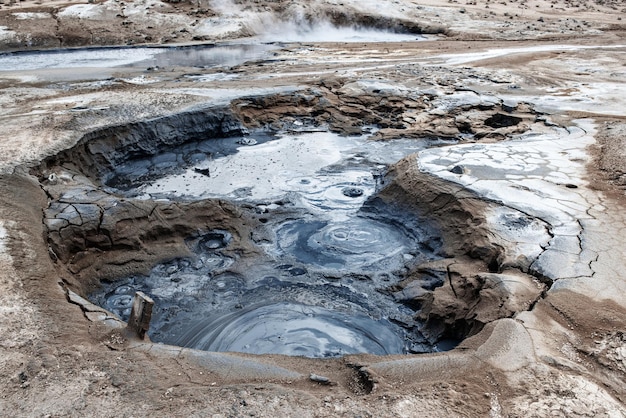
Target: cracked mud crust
530, 203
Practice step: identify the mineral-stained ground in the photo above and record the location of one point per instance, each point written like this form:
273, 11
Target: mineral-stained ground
522, 187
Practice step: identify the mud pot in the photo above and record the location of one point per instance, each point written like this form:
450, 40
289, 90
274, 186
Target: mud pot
318, 275
271, 225
302, 256
339, 208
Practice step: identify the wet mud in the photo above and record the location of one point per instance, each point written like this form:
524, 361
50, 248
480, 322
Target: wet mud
466, 152
276, 232
315, 269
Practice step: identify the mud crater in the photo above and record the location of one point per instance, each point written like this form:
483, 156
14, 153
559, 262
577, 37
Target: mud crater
315, 285
259, 239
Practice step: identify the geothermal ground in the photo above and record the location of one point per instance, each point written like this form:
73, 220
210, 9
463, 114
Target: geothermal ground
356, 208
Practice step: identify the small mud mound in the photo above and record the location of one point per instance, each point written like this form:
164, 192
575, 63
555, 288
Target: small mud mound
398, 112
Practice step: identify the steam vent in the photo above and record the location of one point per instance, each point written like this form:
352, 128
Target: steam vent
236, 208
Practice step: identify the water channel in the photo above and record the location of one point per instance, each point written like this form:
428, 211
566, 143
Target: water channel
142, 57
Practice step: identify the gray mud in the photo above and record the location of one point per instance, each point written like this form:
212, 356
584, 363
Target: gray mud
319, 286
314, 225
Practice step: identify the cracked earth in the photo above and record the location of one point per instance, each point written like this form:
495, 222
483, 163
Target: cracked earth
524, 183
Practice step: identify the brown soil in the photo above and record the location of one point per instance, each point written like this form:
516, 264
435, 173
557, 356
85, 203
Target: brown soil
570, 358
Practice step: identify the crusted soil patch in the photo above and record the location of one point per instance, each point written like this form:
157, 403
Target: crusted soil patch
537, 351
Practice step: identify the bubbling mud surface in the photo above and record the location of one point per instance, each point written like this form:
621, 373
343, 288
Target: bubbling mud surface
319, 287
357, 242
297, 330
318, 166
205, 303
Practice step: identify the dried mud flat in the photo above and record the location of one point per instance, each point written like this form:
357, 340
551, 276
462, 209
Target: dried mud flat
528, 196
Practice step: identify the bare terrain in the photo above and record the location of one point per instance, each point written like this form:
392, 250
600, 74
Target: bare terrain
528, 195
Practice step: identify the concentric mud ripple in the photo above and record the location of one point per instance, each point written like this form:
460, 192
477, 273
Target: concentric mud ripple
354, 243
293, 329
230, 312
347, 190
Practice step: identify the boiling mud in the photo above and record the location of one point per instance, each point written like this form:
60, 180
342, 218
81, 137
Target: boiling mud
278, 309
356, 242
318, 166
319, 289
